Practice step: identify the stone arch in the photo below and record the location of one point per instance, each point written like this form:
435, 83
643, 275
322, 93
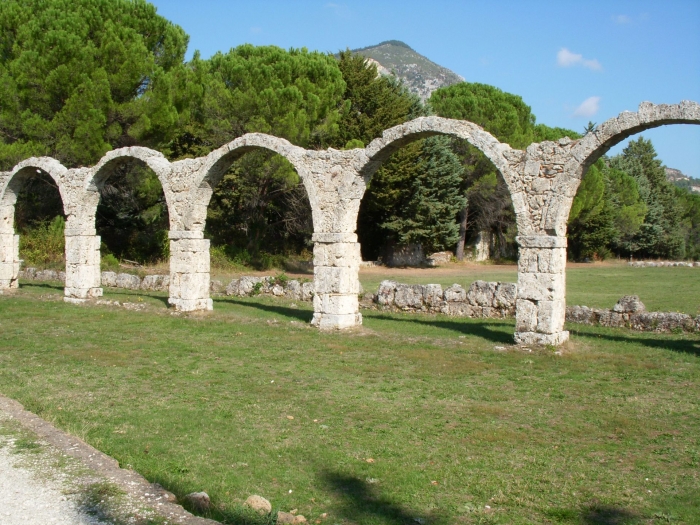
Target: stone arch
156, 161
610, 133
502, 156
215, 165
189, 251
15, 179
395, 138
10, 186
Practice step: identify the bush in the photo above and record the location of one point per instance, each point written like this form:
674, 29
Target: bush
109, 263
44, 244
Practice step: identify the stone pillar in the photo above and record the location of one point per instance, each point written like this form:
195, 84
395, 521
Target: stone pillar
336, 267
82, 267
189, 271
9, 261
541, 303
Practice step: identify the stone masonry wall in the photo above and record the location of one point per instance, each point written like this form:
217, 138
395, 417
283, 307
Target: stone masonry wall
482, 299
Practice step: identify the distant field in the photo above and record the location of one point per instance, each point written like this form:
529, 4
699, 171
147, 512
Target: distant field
409, 419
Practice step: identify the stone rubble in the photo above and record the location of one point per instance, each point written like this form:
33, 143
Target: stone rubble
542, 181
663, 264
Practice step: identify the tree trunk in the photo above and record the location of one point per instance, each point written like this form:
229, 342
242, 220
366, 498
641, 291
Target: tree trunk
459, 251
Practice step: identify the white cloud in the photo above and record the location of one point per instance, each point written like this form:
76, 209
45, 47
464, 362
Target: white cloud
340, 10
588, 107
255, 30
566, 58
621, 19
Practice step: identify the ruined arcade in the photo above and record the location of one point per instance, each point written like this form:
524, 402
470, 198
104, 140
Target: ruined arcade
542, 181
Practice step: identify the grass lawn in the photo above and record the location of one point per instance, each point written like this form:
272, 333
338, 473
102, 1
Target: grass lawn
411, 417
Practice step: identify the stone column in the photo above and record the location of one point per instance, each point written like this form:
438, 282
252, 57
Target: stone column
9, 260
336, 268
82, 266
189, 271
541, 303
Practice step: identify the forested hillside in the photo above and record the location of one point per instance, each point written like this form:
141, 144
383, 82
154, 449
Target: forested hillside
81, 77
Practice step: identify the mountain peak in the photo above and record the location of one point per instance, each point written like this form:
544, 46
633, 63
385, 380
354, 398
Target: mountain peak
421, 75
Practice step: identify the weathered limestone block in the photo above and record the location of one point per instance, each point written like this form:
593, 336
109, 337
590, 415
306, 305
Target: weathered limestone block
550, 316
338, 304
481, 293
386, 292
579, 314
155, 283
28, 273
336, 280
108, 279
541, 286
82, 268
46, 275
432, 295
293, 289
505, 295
408, 296
9, 260
307, 291
525, 316
189, 271
460, 309
629, 304
455, 293
245, 286
190, 292
128, 281
537, 338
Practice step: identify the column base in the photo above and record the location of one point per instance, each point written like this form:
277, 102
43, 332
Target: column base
336, 321
537, 338
79, 295
191, 305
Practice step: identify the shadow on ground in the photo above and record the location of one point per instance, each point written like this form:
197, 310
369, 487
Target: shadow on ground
293, 313
361, 503
491, 331
595, 514
689, 344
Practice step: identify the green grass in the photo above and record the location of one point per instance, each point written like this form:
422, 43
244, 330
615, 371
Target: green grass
606, 433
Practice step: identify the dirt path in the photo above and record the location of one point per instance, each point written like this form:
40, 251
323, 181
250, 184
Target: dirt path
50, 477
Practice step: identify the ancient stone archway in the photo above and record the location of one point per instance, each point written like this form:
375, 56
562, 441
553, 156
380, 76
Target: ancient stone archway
11, 184
194, 181
542, 182
82, 241
549, 177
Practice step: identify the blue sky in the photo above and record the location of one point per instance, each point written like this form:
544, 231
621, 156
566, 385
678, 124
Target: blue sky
570, 61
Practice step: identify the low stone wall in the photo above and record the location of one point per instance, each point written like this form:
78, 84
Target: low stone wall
32, 274
482, 299
267, 285
629, 312
658, 264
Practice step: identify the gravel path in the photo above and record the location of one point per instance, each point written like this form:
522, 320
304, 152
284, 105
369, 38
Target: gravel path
49, 477
27, 498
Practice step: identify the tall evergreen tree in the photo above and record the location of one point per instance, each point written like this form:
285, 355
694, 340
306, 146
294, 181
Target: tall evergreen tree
660, 234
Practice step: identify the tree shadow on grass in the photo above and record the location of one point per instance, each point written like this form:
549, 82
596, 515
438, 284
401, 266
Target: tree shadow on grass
595, 514
47, 286
685, 346
362, 504
494, 332
302, 315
